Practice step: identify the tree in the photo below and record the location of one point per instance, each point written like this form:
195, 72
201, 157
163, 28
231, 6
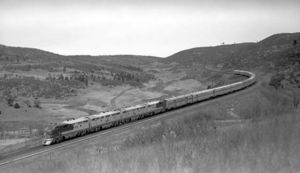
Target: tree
50, 77
28, 67
295, 42
18, 59
60, 77
64, 69
16, 106
86, 81
37, 103
296, 100
10, 100
2, 132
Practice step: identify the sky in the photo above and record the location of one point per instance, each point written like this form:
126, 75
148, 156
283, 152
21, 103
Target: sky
141, 27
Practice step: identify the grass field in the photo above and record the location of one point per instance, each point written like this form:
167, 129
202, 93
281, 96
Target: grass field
265, 138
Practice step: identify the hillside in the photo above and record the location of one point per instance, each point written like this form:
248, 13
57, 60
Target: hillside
39, 87
278, 56
73, 71
33, 74
17, 57
275, 51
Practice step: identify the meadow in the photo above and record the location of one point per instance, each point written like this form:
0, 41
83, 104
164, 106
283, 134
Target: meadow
265, 138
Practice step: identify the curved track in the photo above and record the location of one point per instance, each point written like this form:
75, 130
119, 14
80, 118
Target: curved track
41, 150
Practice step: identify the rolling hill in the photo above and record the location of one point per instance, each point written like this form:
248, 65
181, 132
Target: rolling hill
275, 51
108, 70
18, 55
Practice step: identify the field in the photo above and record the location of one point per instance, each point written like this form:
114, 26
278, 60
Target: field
260, 137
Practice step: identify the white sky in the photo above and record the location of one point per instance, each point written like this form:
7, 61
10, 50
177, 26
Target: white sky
144, 27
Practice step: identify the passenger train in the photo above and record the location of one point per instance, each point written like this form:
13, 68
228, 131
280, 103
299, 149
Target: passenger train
93, 123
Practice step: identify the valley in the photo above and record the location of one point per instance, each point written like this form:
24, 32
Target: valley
230, 133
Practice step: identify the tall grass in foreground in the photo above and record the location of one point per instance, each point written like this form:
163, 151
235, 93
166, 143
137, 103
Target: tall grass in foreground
272, 146
267, 146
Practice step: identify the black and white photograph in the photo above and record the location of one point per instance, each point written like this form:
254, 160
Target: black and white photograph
149, 86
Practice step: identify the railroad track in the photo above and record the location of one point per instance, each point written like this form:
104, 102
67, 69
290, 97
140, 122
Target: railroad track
42, 150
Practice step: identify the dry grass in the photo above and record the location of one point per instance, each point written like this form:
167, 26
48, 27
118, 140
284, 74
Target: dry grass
267, 146
194, 143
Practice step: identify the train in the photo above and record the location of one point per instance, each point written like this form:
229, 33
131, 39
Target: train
77, 127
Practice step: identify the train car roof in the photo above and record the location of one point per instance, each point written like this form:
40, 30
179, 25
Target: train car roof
177, 97
77, 120
152, 102
103, 114
204, 91
141, 105
134, 107
171, 98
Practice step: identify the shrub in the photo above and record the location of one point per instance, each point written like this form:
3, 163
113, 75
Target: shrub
10, 100
16, 106
37, 103
295, 42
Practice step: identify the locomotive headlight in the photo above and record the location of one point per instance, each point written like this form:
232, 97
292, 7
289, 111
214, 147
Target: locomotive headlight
47, 141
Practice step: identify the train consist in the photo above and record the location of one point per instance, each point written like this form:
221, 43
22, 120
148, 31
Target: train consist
93, 123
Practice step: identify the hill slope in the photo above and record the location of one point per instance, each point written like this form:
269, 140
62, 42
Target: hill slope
109, 70
274, 51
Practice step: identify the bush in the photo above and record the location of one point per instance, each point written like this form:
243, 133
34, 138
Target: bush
16, 106
37, 103
10, 100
